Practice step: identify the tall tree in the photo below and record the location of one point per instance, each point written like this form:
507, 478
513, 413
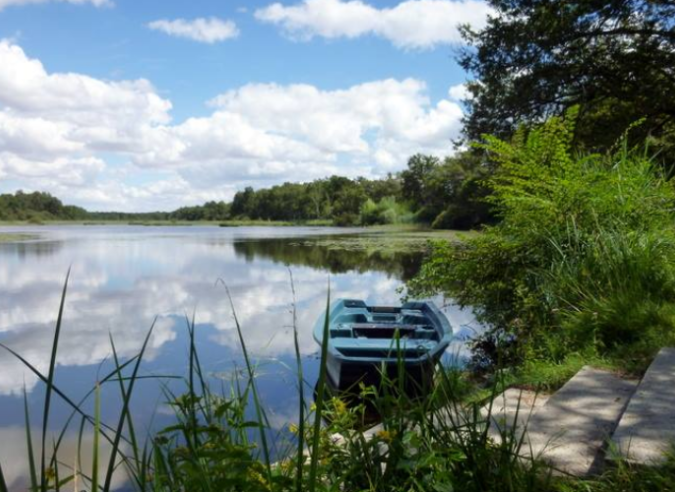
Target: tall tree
615, 59
414, 179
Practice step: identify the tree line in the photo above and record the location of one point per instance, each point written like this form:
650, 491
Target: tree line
445, 193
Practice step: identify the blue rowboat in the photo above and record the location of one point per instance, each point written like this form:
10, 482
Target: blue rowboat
365, 340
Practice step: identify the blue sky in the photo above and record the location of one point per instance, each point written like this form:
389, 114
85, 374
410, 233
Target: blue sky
143, 105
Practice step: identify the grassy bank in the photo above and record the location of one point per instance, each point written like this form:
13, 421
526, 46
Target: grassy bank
228, 223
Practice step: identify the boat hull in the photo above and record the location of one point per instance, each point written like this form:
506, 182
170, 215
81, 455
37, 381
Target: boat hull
349, 375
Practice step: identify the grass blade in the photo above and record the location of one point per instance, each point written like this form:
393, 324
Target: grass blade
29, 443
55, 470
50, 383
3, 484
130, 424
125, 410
58, 391
78, 457
251, 375
321, 388
301, 390
97, 430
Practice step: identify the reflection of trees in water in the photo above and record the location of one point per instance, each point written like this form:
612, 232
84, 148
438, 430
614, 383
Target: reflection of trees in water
399, 264
23, 249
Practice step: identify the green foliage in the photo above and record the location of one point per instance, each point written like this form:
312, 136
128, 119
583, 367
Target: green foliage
584, 254
209, 211
386, 211
335, 199
37, 207
536, 59
450, 192
346, 208
625, 477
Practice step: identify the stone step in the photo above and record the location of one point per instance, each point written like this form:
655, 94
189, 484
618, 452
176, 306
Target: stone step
513, 407
647, 429
571, 429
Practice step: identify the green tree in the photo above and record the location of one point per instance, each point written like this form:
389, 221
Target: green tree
414, 179
457, 194
243, 203
347, 206
615, 59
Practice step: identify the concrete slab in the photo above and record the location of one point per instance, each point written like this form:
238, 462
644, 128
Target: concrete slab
571, 429
513, 407
647, 429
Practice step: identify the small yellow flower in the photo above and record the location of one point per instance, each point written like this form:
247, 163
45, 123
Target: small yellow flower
386, 435
312, 407
293, 428
340, 406
257, 476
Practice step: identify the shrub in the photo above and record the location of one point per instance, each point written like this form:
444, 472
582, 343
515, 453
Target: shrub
584, 253
386, 211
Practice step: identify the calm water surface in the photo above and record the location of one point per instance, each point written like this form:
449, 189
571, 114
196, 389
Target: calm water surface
125, 277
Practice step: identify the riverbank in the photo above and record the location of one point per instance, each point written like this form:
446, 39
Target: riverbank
15, 237
381, 238
159, 223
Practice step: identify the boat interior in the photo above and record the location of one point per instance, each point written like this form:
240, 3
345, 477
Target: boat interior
358, 330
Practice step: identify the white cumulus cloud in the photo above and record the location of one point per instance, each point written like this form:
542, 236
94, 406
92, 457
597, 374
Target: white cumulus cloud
97, 3
412, 24
459, 93
298, 132
53, 125
211, 30
112, 145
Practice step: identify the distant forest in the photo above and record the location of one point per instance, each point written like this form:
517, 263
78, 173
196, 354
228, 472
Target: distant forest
443, 193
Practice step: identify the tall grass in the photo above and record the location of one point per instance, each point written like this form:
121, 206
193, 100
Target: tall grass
436, 442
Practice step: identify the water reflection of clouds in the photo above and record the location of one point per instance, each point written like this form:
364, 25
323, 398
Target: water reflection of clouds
120, 282
15, 466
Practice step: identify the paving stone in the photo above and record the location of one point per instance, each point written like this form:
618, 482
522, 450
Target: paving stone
571, 429
513, 406
647, 429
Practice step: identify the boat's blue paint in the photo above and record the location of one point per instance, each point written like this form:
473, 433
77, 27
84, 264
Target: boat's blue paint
362, 338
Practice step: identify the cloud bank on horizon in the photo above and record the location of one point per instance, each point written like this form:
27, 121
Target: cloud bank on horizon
84, 138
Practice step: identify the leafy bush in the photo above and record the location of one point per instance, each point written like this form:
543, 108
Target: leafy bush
584, 254
386, 211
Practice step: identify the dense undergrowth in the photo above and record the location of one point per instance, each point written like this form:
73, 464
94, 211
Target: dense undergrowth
582, 263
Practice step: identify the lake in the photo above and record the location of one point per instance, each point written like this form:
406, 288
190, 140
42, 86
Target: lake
124, 278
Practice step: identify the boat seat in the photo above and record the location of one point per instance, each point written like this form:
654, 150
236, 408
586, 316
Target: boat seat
379, 330
387, 326
352, 318
360, 347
